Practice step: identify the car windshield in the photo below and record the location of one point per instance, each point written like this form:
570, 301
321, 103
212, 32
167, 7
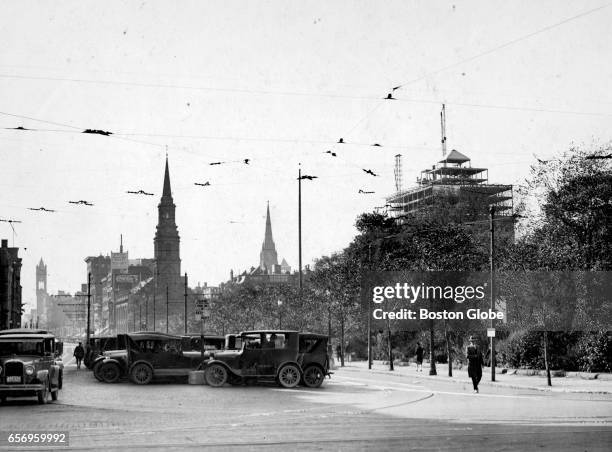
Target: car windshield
21, 347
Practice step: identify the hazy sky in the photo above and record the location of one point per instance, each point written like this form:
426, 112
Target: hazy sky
277, 82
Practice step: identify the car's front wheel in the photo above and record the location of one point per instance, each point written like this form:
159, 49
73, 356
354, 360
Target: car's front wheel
141, 374
289, 376
109, 372
216, 375
313, 376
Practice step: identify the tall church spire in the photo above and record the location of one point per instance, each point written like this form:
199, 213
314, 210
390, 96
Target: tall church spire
268, 257
167, 191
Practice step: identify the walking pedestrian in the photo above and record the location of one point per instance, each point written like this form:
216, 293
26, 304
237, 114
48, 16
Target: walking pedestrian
79, 353
475, 363
419, 357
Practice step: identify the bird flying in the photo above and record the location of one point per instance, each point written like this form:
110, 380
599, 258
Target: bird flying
333, 154
365, 192
85, 203
139, 192
377, 145
97, 132
216, 163
369, 171
246, 161
42, 209
205, 184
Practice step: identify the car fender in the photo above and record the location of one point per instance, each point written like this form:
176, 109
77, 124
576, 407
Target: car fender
42, 375
120, 363
222, 363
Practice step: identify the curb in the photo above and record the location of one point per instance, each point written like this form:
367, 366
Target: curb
484, 383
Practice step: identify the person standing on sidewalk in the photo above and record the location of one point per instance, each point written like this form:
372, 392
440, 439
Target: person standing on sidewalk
475, 363
79, 353
419, 357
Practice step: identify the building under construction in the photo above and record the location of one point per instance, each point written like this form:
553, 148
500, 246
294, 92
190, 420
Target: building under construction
464, 189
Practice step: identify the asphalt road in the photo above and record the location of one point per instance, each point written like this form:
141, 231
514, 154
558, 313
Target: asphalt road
354, 410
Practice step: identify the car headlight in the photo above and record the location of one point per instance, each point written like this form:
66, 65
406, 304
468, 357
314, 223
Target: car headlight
29, 370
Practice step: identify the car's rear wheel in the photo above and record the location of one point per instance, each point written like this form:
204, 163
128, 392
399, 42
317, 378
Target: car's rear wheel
216, 375
43, 394
289, 376
313, 376
141, 374
109, 372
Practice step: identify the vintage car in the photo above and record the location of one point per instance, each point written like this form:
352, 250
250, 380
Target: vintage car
151, 354
29, 365
284, 357
97, 345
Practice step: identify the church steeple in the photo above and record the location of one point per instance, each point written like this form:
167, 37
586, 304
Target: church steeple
167, 192
167, 240
268, 257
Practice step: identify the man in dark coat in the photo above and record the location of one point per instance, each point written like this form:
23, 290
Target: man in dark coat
419, 357
79, 353
475, 363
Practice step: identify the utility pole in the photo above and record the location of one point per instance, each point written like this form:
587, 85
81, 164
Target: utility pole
370, 313
88, 308
491, 283
185, 303
300, 223
167, 307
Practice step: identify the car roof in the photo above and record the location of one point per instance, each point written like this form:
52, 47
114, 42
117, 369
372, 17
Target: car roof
268, 332
152, 335
23, 331
206, 336
27, 336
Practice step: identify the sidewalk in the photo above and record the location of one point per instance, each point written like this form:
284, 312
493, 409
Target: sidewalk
571, 383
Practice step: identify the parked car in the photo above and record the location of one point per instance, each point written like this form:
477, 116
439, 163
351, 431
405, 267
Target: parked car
29, 365
148, 355
284, 357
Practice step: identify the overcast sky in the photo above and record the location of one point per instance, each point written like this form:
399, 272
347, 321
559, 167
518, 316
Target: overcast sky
277, 82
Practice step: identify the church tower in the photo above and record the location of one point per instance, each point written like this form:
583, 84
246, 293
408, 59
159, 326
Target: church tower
167, 241
268, 257
41, 291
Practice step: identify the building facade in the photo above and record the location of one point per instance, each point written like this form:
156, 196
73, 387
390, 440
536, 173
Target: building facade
10, 287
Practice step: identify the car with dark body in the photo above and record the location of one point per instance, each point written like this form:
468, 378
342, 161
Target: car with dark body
29, 364
97, 346
151, 354
285, 357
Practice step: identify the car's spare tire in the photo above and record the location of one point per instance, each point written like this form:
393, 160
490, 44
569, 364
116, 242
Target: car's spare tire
216, 375
289, 376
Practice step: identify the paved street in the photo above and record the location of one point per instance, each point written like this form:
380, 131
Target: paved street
356, 409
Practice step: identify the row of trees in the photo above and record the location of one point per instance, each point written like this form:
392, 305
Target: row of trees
564, 213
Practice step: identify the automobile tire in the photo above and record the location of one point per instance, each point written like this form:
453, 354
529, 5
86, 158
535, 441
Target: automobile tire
313, 376
141, 374
289, 376
43, 394
109, 373
96, 371
216, 375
